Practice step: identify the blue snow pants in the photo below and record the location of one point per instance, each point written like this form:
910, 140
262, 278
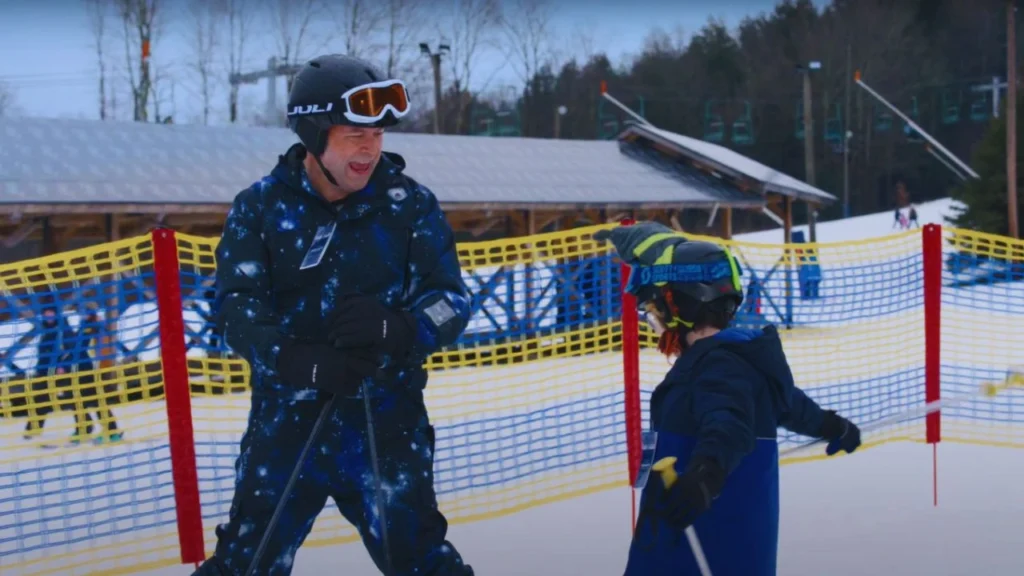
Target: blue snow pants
739, 533
337, 466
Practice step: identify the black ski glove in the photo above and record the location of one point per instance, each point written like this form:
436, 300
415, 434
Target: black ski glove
305, 365
840, 433
362, 322
691, 494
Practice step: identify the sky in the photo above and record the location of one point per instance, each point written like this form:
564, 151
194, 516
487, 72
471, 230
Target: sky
48, 59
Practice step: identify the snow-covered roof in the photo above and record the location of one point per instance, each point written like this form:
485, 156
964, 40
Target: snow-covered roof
726, 160
59, 161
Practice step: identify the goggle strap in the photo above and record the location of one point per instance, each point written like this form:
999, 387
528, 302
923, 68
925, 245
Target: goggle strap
660, 274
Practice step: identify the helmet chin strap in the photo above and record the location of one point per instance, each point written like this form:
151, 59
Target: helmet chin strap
327, 173
321, 146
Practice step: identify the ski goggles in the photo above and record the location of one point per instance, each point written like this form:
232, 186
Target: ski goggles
641, 276
369, 103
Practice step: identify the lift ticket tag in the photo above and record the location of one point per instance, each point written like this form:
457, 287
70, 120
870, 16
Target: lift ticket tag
648, 445
316, 250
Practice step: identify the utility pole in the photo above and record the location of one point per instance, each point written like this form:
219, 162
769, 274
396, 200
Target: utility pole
1011, 117
435, 63
996, 88
809, 142
847, 135
274, 70
559, 112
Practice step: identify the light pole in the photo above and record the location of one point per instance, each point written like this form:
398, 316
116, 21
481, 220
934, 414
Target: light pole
435, 62
809, 140
559, 112
1011, 118
847, 135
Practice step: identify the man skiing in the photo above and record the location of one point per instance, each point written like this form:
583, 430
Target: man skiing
336, 274
716, 412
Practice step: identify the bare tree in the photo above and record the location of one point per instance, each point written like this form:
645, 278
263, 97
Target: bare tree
582, 41
359, 20
660, 41
292, 22
98, 12
6, 100
205, 17
162, 88
469, 33
404, 23
239, 15
140, 21
527, 27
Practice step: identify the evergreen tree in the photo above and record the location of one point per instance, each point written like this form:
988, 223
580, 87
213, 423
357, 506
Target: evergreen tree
985, 198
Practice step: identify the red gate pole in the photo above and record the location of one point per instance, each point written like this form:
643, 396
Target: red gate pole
631, 377
178, 396
931, 248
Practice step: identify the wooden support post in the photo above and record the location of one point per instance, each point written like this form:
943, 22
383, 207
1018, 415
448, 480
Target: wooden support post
529, 266
787, 227
49, 244
727, 223
108, 344
812, 222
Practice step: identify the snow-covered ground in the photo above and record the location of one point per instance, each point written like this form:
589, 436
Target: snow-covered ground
860, 227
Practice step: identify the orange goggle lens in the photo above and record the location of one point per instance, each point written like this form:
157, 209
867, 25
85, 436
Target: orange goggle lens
371, 102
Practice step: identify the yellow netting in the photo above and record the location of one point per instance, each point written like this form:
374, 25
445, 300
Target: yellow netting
983, 335
529, 409
550, 387
854, 337
71, 508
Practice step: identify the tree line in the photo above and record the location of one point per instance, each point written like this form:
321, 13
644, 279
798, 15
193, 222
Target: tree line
741, 87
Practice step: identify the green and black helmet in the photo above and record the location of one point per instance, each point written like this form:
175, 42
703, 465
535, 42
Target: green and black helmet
676, 280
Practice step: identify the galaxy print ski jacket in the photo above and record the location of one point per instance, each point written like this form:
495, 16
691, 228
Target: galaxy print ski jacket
287, 256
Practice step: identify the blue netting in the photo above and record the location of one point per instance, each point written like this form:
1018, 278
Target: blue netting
62, 501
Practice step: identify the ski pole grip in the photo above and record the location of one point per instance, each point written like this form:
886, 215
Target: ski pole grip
666, 467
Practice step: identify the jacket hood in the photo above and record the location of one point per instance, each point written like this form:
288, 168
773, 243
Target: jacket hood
761, 348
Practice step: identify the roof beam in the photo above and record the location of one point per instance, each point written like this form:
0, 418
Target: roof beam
20, 234
44, 209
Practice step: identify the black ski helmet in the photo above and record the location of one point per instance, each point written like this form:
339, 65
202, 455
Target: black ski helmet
317, 100
677, 277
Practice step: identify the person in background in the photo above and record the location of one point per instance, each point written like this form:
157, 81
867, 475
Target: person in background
55, 336
84, 392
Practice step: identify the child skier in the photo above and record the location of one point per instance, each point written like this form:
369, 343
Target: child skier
717, 412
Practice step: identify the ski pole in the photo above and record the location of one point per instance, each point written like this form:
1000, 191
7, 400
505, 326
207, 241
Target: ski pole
987, 388
666, 468
377, 487
296, 472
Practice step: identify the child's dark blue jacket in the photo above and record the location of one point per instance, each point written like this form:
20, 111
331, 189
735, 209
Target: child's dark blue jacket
724, 399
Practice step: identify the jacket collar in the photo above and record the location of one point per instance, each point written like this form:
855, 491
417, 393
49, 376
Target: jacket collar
291, 172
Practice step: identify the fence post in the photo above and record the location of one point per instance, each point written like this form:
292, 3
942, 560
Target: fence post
631, 375
931, 248
178, 396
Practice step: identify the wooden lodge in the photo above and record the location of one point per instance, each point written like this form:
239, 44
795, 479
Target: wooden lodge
65, 184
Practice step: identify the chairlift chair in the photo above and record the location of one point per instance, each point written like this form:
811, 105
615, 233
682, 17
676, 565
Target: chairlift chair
951, 106
714, 128
981, 108
743, 127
